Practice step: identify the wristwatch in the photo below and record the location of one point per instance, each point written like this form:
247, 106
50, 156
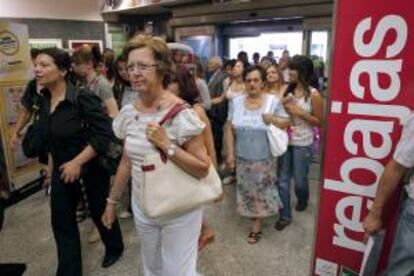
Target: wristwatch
171, 150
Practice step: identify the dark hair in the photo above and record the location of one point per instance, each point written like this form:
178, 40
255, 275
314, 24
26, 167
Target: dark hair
256, 55
109, 61
200, 71
304, 66
230, 62
120, 83
86, 53
34, 52
253, 68
61, 59
188, 90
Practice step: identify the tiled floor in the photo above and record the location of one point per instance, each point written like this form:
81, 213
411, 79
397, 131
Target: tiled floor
27, 238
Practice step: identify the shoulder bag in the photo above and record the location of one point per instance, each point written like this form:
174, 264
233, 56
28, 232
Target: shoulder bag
278, 138
167, 190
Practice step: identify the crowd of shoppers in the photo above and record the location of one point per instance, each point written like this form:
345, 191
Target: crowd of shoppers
223, 115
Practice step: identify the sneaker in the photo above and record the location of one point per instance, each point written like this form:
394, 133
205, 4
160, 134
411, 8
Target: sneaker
228, 180
125, 215
281, 224
94, 235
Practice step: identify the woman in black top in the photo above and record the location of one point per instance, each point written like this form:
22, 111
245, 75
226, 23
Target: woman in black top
72, 150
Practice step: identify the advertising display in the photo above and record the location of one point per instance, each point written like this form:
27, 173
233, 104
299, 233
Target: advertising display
15, 71
371, 94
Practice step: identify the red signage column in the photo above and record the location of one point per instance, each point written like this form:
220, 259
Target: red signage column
372, 92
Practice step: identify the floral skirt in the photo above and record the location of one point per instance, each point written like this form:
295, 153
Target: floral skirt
257, 193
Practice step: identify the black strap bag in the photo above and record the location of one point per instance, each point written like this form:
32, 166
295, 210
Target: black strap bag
32, 143
112, 157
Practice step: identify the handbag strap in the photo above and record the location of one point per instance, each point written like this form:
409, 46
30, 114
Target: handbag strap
268, 104
177, 108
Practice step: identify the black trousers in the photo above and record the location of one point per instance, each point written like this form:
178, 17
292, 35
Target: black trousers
64, 201
217, 128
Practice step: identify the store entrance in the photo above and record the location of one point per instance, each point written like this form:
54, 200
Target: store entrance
276, 42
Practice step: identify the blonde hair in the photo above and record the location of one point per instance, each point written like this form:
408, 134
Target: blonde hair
160, 50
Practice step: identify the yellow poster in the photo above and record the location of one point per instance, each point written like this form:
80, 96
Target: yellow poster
15, 72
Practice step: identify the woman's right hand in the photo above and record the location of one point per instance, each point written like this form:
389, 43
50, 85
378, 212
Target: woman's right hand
109, 216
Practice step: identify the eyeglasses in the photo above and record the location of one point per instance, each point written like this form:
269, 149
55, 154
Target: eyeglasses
141, 67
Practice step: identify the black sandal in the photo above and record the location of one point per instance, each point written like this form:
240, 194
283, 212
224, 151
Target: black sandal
255, 236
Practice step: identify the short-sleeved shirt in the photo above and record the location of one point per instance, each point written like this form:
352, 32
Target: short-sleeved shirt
101, 87
63, 133
130, 125
404, 153
251, 141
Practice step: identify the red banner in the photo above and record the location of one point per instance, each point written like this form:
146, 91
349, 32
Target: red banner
372, 88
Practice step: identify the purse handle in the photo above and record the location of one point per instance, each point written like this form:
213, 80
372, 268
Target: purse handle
177, 108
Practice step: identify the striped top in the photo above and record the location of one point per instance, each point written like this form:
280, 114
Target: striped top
130, 126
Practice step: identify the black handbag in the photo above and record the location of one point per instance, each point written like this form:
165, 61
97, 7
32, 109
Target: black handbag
32, 143
112, 157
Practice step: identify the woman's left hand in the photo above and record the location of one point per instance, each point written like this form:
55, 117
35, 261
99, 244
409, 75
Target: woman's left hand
294, 109
267, 118
157, 135
70, 171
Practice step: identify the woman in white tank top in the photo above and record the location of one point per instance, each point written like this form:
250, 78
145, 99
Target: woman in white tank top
236, 87
306, 111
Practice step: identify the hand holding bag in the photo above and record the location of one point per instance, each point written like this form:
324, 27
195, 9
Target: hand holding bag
167, 190
278, 138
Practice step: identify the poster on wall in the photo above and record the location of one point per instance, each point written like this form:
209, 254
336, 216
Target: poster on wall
15, 71
15, 61
371, 95
74, 44
45, 43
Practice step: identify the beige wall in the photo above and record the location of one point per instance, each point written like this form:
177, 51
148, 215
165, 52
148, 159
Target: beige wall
51, 9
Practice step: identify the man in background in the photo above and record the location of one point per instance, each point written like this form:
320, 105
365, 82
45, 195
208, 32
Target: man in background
217, 113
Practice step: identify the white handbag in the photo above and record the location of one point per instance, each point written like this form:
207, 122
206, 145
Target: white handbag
168, 191
278, 138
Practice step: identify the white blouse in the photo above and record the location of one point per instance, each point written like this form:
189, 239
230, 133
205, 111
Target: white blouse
130, 126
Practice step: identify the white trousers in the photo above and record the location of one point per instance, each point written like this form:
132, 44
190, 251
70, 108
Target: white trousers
169, 247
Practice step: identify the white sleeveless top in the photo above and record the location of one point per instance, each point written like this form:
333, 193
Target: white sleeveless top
302, 130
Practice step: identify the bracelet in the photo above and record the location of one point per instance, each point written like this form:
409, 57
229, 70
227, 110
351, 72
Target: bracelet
111, 201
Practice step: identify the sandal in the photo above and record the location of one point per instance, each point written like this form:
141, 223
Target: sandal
254, 237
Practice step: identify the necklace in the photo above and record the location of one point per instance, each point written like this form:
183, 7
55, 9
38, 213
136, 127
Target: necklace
157, 105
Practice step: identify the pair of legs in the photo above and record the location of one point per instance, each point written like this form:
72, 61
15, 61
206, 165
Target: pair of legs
168, 247
64, 201
294, 163
401, 260
257, 194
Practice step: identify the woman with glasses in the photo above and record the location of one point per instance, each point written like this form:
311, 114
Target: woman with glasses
168, 246
249, 115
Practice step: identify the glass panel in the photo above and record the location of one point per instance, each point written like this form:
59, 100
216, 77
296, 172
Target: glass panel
319, 44
276, 42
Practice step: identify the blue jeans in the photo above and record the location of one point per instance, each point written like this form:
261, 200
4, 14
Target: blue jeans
295, 162
401, 261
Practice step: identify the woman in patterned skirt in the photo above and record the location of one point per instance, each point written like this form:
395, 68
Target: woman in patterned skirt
249, 151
